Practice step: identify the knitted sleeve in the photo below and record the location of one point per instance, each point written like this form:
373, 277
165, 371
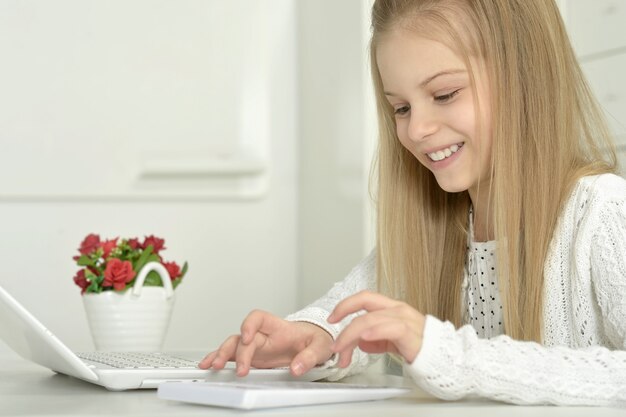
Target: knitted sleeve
362, 277
608, 267
455, 363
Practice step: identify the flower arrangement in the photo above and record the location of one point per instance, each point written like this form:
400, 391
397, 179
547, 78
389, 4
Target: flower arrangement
113, 264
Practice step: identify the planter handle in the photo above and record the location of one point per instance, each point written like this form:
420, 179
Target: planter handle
160, 269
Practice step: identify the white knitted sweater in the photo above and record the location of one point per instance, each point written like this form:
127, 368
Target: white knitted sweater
583, 356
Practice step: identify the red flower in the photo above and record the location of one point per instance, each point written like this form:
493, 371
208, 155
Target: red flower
81, 281
157, 243
172, 269
108, 246
134, 243
117, 274
107, 265
90, 244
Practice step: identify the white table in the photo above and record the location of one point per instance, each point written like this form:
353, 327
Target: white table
29, 390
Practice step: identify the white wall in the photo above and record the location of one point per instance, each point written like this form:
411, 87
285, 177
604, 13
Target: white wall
92, 88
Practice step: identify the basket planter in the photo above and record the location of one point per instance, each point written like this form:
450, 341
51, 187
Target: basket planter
132, 320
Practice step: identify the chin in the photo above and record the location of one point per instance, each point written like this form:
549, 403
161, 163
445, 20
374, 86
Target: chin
452, 186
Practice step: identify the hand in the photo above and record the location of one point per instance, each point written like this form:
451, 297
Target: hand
388, 326
267, 341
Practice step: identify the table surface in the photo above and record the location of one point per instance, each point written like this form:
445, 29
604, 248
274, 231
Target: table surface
27, 389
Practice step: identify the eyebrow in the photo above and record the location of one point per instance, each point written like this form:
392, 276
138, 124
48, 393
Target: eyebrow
432, 77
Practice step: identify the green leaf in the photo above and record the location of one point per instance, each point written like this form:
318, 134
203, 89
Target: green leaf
85, 260
176, 283
94, 288
184, 270
153, 279
154, 258
143, 259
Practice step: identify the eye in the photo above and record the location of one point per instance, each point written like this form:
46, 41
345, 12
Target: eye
401, 111
447, 97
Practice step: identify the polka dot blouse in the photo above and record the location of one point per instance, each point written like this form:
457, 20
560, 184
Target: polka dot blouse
482, 306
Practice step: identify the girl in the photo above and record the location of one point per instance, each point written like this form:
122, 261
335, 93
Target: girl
500, 265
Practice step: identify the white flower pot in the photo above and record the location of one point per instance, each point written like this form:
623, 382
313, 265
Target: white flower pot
132, 320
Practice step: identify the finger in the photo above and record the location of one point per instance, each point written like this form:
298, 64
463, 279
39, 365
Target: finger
352, 334
258, 321
245, 353
205, 363
210, 357
225, 353
376, 346
392, 330
317, 352
399, 338
364, 300
251, 325
350, 338
345, 357
360, 333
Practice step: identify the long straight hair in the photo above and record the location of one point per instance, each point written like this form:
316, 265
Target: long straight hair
547, 132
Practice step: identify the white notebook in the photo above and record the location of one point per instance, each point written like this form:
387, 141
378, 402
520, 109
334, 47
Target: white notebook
271, 394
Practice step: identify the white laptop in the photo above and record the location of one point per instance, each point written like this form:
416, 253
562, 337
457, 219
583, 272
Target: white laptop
116, 371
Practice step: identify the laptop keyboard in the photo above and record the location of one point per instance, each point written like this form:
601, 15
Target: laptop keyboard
138, 360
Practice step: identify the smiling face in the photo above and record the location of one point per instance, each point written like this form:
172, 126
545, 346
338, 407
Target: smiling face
430, 90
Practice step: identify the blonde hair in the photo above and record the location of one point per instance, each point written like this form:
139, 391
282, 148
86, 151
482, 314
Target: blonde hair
547, 132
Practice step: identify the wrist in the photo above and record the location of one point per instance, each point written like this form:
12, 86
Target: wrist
316, 316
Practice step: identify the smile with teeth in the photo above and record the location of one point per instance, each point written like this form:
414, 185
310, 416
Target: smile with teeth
444, 153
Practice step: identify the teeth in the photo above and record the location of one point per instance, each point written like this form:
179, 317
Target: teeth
444, 153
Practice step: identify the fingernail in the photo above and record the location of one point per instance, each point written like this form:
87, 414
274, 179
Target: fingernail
297, 369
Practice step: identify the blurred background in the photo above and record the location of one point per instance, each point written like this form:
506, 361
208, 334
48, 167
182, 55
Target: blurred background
240, 131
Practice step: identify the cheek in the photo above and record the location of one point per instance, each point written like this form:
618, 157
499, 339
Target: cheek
409, 145
401, 132
463, 118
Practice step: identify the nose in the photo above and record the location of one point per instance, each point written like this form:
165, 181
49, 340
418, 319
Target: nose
423, 123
